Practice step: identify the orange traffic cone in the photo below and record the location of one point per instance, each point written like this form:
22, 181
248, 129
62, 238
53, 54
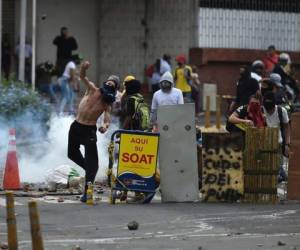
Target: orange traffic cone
11, 179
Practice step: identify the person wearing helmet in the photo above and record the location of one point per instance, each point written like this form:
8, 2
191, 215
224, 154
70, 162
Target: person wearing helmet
257, 70
131, 103
278, 89
289, 83
95, 102
124, 97
167, 95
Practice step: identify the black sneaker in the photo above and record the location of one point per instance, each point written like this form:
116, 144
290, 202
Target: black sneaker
83, 198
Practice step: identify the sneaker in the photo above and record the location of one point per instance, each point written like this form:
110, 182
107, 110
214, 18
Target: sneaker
83, 198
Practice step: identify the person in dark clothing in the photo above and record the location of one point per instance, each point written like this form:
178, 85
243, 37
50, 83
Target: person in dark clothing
249, 115
133, 88
96, 101
6, 55
246, 87
65, 45
288, 82
278, 89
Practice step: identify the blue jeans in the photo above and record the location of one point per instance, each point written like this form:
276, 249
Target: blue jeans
50, 89
67, 95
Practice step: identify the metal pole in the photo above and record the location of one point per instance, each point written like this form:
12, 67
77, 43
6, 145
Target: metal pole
33, 62
11, 222
1, 39
22, 41
36, 234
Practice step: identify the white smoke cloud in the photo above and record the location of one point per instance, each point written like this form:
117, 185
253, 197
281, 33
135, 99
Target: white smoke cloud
44, 153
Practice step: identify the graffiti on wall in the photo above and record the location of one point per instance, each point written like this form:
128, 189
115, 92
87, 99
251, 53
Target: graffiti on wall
222, 172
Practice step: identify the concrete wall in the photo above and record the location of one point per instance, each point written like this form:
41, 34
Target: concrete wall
79, 16
117, 36
133, 33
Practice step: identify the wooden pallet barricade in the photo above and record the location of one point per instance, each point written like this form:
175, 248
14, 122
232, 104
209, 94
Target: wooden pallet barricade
261, 165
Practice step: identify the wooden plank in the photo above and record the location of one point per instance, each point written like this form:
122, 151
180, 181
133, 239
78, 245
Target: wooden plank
261, 165
295, 123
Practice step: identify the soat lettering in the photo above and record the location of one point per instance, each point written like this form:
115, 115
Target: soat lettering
136, 158
139, 141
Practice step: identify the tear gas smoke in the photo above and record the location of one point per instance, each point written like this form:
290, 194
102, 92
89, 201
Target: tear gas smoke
41, 151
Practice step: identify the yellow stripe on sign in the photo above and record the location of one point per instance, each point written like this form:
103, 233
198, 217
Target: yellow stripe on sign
138, 154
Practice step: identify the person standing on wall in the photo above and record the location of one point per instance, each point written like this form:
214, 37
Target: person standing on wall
65, 45
182, 77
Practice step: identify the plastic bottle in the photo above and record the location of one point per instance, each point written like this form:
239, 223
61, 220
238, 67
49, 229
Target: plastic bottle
89, 194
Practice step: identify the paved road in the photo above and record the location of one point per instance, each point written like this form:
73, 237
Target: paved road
162, 226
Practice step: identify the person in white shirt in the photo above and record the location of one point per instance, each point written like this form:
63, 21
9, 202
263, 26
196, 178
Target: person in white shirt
165, 64
167, 95
161, 66
277, 117
273, 119
69, 85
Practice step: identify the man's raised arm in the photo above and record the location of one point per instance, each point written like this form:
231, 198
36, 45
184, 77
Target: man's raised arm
83, 77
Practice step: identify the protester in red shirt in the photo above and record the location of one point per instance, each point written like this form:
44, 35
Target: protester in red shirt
271, 59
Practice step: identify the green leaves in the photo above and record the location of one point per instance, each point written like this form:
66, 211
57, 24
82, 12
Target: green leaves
16, 98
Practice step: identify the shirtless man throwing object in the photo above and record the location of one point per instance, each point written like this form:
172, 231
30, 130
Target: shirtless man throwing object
83, 129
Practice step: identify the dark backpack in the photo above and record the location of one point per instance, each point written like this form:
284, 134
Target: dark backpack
141, 116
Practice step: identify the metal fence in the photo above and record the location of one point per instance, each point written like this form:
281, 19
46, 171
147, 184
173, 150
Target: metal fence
250, 29
262, 5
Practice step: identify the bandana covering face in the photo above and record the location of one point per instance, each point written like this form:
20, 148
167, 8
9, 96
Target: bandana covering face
255, 115
109, 93
269, 105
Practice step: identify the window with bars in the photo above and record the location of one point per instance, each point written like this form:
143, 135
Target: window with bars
292, 6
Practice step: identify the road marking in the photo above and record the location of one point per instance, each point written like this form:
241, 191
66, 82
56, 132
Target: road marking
3, 203
114, 240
